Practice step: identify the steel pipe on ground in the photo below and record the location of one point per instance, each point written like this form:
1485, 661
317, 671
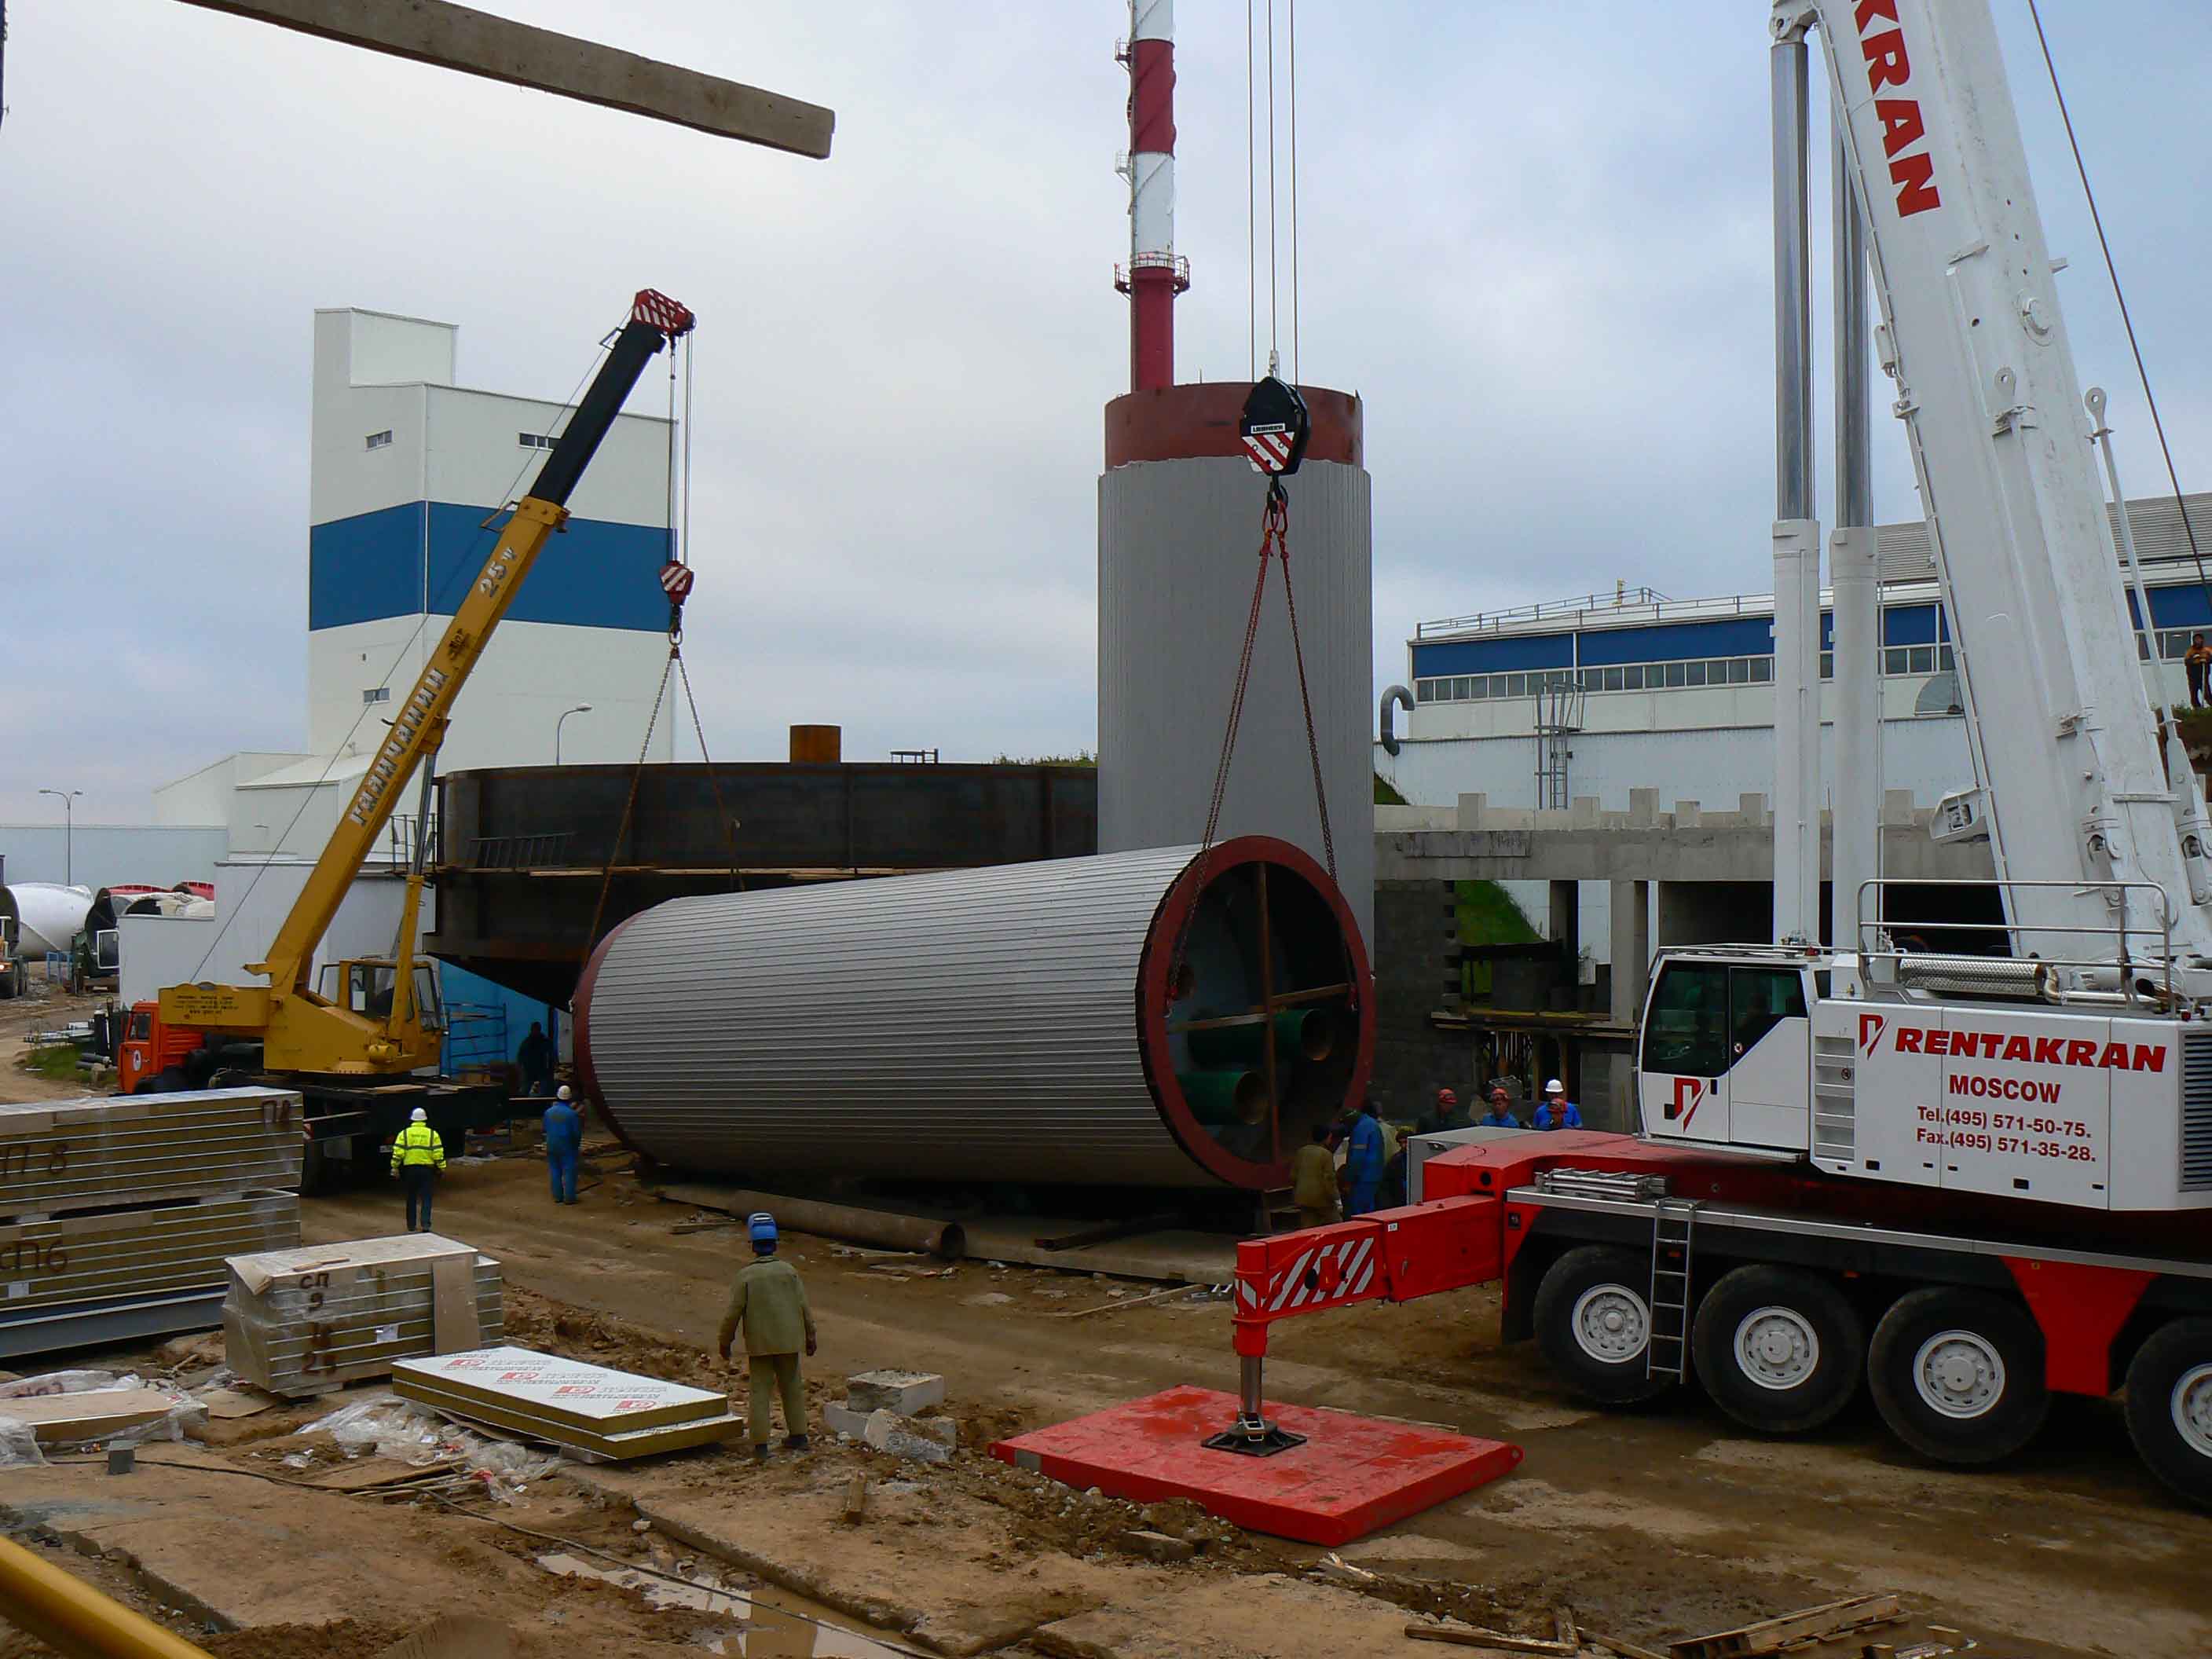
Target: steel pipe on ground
1020, 1023
884, 1229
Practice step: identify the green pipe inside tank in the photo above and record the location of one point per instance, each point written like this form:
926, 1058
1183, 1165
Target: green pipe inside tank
1224, 1097
1300, 1034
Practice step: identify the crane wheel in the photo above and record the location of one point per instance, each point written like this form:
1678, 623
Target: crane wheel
2169, 1407
1593, 1319
1779, 1350
167, 1081
1958, 1374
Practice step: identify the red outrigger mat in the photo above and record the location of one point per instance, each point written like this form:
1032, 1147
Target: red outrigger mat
1354, 1475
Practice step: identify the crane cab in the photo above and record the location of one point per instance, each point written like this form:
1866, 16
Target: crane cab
1725, 1053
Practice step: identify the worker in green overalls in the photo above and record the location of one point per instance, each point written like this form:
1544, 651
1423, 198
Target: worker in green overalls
769, 1301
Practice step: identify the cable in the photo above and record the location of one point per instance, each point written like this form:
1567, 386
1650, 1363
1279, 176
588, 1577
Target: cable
2112, 270
1273, 296
1251, 212
1293, 31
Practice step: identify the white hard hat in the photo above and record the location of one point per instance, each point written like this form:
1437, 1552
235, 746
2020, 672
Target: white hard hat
418, 1115
562, 1093
1554, 1087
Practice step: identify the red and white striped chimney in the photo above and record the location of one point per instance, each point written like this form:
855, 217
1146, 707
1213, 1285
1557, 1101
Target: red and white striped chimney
1154, 275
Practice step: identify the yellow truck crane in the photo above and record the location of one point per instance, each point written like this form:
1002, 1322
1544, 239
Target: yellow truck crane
355, 1052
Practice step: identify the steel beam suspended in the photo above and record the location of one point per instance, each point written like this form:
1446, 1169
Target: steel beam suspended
477, 43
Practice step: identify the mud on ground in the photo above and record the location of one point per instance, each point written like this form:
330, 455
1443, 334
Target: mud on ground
1653, 1524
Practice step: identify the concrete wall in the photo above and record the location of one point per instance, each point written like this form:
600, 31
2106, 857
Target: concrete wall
1416, 945
106, 854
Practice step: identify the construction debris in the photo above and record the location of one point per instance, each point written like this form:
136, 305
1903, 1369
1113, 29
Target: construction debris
1829, 1619
95, 1414
306, 1321
1473, 1636
588, 1412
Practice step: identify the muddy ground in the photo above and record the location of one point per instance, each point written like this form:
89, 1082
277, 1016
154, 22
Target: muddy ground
1653, 1525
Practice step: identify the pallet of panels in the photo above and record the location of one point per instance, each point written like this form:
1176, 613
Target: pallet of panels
69, 1280
305, 1322
106, 1150
587, 1411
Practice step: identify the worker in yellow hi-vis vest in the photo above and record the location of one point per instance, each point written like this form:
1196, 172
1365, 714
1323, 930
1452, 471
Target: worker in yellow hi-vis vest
418, 1159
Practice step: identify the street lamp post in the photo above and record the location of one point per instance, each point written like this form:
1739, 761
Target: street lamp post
68, 799
580, 708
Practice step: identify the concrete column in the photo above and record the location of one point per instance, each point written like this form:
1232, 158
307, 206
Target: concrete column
1632, 949
1565, 928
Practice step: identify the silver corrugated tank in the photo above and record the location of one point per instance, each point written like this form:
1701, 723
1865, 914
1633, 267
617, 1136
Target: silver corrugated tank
1178, 546
1011, 1022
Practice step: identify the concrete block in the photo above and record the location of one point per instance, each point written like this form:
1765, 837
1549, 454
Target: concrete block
1686, 814
1643, 807
1897, 806
888, 1431
1157, 1547
907, 1392
1752, 809
1470, 811
1585, 810
843, 1419
945, 1431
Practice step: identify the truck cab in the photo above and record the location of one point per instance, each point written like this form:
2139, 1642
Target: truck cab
150, 1048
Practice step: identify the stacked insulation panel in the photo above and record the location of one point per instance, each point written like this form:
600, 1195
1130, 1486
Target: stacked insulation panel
590, 1413
305, 1322
117, 1212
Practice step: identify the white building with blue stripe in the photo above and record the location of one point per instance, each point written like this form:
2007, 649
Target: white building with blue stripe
409, 479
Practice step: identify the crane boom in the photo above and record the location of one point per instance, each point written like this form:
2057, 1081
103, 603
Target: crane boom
2073, 784
300, 1029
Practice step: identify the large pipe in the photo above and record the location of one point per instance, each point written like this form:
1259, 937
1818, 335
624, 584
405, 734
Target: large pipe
1023, 1022
44, 915
884, 1229
1398, 695
1856, 847
1796, 534
74, 1619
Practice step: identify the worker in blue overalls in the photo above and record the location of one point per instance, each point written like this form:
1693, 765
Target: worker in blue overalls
1364, 1160
564, 1134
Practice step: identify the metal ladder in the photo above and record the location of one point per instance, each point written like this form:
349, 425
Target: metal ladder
1674, 1223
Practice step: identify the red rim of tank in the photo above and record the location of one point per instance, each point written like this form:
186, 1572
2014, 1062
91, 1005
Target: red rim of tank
1153, 1003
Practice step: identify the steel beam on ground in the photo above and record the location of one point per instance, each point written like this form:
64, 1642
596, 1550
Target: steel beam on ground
477, 43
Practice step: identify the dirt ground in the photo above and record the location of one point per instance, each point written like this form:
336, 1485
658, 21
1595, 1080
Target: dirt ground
1653, 1525
44, 1008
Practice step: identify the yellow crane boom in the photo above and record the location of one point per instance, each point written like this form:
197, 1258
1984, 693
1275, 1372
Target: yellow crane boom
367, 1031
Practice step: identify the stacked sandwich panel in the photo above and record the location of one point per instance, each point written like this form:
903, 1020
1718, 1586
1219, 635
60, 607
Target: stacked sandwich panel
116, 1213
589, 1411
307, 1321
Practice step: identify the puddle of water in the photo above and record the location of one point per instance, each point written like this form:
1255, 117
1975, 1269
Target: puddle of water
770, 1624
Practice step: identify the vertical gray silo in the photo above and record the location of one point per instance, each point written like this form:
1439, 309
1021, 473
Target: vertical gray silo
1178, 547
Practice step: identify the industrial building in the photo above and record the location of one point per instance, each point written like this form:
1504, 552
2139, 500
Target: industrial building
1591, 699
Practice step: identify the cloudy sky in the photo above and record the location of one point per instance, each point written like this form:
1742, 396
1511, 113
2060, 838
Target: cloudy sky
1534, 237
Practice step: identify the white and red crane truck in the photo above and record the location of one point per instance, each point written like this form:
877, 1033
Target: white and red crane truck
1969, 1182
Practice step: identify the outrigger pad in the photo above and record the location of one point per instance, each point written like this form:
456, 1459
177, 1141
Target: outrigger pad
1352, 1476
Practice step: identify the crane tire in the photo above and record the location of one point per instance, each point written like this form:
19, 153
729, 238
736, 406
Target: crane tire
166, 1081
1779, 1349
2169, 1407
1957, 1374
1593, 1322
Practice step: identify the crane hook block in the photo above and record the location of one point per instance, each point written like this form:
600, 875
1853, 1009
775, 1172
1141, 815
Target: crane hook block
1274, 428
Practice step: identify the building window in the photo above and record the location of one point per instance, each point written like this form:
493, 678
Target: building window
377, 694
379, 440
534, 440
1762, 670
1828, 665
1696, 672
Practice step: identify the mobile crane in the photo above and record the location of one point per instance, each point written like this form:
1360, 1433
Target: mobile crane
356, 1051
1968, 1181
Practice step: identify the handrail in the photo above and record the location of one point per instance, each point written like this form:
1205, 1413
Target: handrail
1872, 931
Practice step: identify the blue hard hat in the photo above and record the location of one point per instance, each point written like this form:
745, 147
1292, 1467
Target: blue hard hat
762, 1226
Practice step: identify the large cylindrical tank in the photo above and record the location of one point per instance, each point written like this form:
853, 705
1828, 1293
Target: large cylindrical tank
1013, 1023
1179, 512
44, 915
